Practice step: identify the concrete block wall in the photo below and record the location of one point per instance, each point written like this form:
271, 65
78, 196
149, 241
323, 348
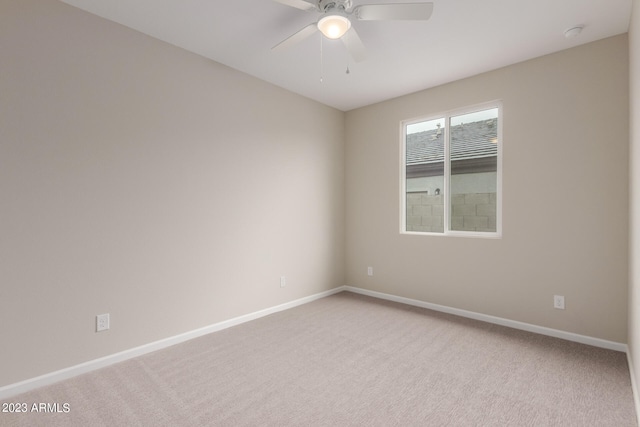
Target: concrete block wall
470, 212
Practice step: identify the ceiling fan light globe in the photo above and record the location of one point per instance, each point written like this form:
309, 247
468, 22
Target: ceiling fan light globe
334, 26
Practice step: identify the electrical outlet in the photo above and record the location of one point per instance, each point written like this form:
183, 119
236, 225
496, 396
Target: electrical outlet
369, 271
283, 281
558, 302
102, 322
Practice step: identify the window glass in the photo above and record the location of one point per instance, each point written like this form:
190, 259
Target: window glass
425, 176
474, 150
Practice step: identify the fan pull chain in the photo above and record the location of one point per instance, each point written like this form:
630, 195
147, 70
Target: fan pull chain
321, 64
348, 71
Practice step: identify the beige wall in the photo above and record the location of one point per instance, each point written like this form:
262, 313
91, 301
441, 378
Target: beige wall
565, 205
150, 183
634, 193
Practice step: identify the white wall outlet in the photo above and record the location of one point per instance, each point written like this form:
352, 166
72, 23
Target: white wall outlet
102, 322
369, 271
283, 281
558, 302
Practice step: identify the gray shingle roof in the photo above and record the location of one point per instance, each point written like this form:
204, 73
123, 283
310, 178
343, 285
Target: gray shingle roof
468, 141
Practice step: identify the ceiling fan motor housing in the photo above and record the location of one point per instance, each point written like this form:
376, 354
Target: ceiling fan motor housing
334, 5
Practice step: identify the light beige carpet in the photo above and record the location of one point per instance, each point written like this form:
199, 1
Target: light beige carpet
351, 360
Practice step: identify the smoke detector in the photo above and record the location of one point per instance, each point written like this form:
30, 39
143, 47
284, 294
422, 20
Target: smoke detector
573, 32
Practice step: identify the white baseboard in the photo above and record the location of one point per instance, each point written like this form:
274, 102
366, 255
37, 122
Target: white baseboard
92, 365
597, 342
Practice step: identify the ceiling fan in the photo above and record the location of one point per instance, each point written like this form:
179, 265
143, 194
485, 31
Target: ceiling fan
335, 22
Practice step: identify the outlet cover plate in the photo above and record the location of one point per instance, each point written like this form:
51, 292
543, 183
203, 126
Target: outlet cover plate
102, 322
558, 302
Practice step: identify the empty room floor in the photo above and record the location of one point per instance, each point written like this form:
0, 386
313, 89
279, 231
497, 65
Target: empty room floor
350, 360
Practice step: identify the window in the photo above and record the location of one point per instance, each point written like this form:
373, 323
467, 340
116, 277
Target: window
451, 173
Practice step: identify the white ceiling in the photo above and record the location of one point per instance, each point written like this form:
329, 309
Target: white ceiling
462, 38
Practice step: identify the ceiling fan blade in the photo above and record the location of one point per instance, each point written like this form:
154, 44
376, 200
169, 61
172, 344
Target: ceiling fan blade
298, 4
396, 11
297, 37
354, 45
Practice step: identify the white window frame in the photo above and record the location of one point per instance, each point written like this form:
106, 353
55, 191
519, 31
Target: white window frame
447, 173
